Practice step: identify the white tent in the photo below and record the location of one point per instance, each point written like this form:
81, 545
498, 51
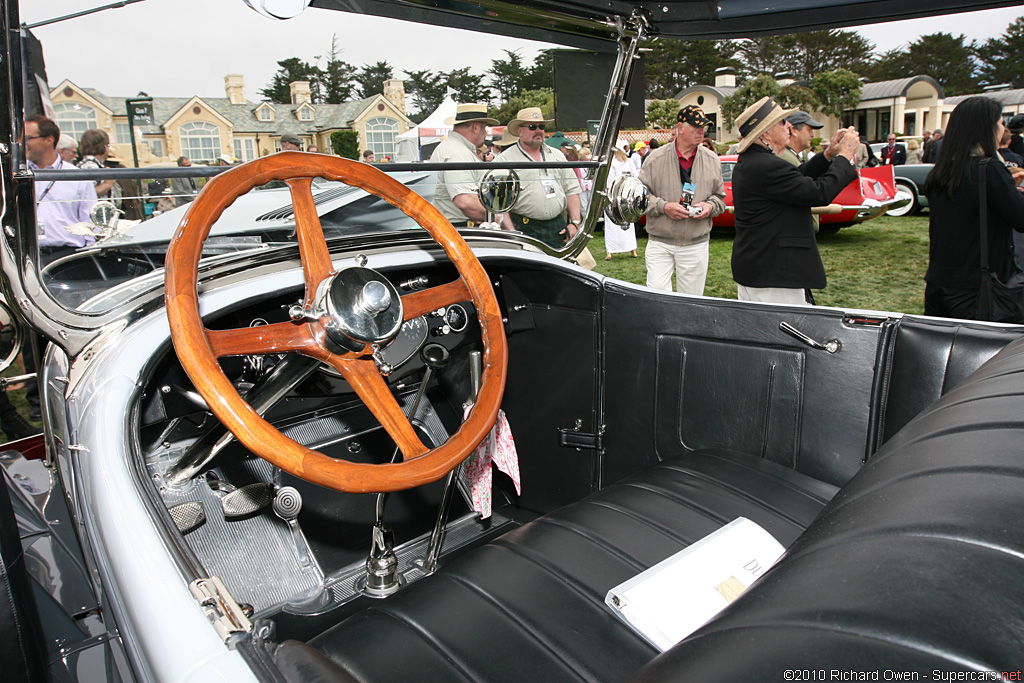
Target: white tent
430, 131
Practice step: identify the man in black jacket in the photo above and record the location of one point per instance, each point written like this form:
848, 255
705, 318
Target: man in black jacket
774, 255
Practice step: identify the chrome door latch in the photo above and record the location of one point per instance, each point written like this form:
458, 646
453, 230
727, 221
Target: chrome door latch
832, 345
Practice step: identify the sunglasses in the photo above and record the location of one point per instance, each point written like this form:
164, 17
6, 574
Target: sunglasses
537, 126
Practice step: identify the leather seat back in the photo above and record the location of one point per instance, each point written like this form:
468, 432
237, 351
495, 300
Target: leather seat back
912, 566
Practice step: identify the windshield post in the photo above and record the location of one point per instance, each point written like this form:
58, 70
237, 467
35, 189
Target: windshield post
631, 33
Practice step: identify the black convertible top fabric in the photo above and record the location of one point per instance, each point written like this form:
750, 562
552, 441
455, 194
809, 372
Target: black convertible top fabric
701, 19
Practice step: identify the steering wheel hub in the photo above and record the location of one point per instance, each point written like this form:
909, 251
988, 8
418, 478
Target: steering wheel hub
361, 306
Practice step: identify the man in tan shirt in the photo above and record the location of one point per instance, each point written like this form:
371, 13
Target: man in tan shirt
686, 192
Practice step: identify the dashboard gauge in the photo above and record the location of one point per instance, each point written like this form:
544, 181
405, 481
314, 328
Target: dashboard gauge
409, 340
456, 318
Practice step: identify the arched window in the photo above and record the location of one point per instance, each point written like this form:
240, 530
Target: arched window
74, 118
200, 140
380, 136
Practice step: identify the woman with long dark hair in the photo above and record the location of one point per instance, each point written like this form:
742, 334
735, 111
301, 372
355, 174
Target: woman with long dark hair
954, 262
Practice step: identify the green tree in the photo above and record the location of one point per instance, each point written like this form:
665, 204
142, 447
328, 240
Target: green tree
835, 91
543, 98
1002, 58
946, 58
508, 76
337, 76
767, 55
542, 74
789, 96
468, 86
291, 70
887, 66
345, 143
662, 113
371, 77
673, 65
816, 52
427, 89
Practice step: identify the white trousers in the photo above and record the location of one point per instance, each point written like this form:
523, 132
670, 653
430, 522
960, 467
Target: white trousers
773, 295
690, 264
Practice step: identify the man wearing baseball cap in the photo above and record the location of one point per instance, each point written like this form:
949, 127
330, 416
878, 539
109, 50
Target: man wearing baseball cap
686, 191
774, 254
456, 193
800, 135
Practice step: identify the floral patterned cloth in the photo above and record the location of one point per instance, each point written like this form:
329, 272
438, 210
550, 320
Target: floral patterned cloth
497, 447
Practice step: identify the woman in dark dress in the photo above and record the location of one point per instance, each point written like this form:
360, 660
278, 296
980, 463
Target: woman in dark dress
953, 280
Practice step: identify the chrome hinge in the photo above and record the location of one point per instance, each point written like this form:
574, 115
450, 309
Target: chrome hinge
226, 615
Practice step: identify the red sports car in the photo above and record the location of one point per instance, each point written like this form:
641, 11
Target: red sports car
871, 195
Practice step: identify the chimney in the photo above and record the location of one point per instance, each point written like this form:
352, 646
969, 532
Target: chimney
300, 92
725, 77
234, 89
394, 92
784, 78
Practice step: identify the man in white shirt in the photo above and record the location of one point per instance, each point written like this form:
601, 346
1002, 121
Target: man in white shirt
456, 193
58, 204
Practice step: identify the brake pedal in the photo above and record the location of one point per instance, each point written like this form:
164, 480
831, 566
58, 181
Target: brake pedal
188, 516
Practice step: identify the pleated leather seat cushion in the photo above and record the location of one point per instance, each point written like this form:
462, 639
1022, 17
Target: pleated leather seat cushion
530, 605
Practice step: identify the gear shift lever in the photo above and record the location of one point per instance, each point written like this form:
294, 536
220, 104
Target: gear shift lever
382, 577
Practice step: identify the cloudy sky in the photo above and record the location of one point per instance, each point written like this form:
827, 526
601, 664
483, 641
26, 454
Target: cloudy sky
185, 47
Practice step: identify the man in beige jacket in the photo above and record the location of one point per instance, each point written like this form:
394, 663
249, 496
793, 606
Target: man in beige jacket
686, 188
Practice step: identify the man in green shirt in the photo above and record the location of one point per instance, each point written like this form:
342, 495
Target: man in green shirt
800, 136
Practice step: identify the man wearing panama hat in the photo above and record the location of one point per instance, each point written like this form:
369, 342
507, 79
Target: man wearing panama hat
774, 254
456, 193
547, 194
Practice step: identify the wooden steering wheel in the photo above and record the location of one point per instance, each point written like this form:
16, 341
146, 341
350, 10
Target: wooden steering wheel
317, 334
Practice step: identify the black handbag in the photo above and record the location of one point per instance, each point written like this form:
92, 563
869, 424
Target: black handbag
998, 301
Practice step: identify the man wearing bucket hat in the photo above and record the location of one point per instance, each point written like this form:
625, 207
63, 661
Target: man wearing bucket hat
456, 193
774, 254
547, 194
686, 192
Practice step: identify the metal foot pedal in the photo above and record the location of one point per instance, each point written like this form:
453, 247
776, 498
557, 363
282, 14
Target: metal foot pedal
188, 516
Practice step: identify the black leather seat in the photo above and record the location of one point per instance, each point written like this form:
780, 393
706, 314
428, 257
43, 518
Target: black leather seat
915, 565
530, 606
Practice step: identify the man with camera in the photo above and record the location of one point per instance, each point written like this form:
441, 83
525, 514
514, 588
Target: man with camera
774, 254
686, 192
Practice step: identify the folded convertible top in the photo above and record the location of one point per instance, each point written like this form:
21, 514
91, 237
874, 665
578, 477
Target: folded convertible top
590, 23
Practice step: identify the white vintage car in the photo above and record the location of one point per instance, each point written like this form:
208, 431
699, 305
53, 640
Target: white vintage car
306, 440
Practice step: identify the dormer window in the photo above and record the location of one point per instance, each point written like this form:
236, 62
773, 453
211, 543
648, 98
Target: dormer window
305, 113
265, 113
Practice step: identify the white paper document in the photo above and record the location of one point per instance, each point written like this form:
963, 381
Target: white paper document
680, 594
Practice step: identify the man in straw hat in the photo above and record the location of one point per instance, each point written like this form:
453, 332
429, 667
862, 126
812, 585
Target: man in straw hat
456, 193
547, 194
774, 254
686, 192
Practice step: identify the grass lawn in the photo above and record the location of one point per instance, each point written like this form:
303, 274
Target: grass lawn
877, 265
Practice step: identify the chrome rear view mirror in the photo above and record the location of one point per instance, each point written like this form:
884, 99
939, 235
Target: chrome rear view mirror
627, 200
12, 334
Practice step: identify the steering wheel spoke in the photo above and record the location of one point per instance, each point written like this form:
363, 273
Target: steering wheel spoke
316, 259
275, 338
424, 301
364, 378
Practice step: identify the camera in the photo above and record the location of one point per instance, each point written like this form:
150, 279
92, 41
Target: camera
695, 211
